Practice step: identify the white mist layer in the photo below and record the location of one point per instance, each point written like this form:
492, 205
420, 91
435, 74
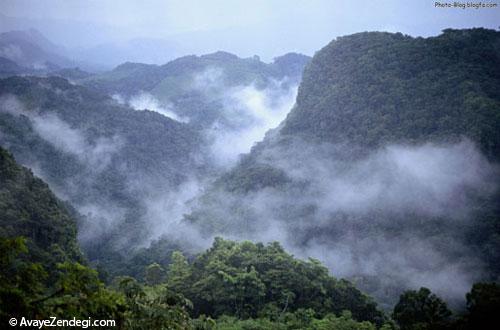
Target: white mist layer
361, 217
248, 112
146, 101
264, 112
65, 138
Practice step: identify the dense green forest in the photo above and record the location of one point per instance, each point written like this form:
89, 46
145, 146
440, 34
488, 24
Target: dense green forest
373, 205
362, 97
110, 161
230, 286
196, 85
402, 89
90, 150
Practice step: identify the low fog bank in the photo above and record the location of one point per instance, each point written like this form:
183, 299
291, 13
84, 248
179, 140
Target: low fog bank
145, 101
395, 219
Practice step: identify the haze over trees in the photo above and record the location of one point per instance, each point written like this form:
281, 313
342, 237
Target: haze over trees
358, 189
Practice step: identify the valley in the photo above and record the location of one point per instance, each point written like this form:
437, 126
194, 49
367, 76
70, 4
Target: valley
337, 191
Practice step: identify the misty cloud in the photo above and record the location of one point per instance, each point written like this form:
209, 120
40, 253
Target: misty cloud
12, 52
70, 140
209, 78
428, 179
247, 112
165, 214
63, 137
340, 210
146, 101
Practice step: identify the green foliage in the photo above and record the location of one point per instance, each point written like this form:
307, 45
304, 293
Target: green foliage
178, 273
153, 307
20, 281
154, 274
175, 82
252, 178
370, 89
28, 208
301, 319
483, 304
76, 291
79, 293
421, 310
248, 280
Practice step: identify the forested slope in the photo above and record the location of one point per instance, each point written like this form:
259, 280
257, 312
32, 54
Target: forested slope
42, 275
105, 159
391, 150
376, 88
28, 208
384, 173
196, 87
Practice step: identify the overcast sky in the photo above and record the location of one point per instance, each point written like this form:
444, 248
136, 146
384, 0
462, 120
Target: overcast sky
264, 27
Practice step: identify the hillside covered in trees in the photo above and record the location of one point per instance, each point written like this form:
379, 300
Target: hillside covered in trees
43, 270
390, 150
230, 286
195, 87
372, 205
103, 158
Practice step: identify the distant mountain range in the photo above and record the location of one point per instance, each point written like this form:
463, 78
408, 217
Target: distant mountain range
32, 50
196, 86
101, 154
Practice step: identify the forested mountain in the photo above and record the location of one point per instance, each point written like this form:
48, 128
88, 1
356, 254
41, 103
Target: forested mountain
107, 160
384, 178
32, 50
195, 86
123, 168
230, 286
390, 151
130, 78
28, 208
42, 274
396, 88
